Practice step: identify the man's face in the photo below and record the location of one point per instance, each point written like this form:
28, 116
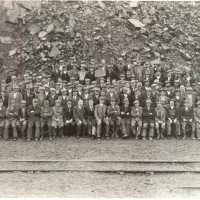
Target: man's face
3, 94
159, 105
64, 93
137, 104
91, 69
198, 106
1, 103
23, 105
177, 93
53, 92
91, 102
69, 103
125, 91
112, 103
46, 104
103, 62
171, 103
111, 90
58, 104
46, 89
162, 93
80, 103
126, 104
186, 104
86, 91
15, 89
74, 93
148, 92
101, 101
148, 104
34, 104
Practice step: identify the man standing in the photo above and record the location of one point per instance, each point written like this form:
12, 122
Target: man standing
114, 117
125, 112
148, 114
186, 116
46, 118
11, 119
100, 114
33, 118
52, 97
15, 95
79, 117
160, 120
57, 119
136, 122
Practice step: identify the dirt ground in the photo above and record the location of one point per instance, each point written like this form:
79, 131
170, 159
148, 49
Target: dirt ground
98, 185
89, 184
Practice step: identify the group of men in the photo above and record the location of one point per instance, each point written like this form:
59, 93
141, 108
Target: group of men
112, 100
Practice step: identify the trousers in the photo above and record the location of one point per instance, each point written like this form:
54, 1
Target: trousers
136, 124
169, 125
151, 129
99, 126
7, 126
49, 125
31, 123
126, 124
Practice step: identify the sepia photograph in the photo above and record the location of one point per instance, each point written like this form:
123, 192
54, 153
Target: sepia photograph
99, 99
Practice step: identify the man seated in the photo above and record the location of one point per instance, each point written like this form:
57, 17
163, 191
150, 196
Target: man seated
114, 117
23, 118
148, 114
57, 119
125, 112
11, 119
160, 120
100, 114
90, 118
46, 118
197, 119
79, 117
136, 122
172, 116
33, 119
186, 116
2, 117
68, 116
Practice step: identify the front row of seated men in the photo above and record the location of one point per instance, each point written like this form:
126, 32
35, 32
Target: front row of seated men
61, 120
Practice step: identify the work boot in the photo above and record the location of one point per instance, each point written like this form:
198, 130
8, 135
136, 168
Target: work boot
41, 138
192, 137
184, 135
50, 138
150, 138
158, 136
15, 139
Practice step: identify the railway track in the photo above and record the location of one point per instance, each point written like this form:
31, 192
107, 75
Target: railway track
101, 166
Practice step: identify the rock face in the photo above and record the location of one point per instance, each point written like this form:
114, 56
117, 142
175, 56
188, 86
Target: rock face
142, 31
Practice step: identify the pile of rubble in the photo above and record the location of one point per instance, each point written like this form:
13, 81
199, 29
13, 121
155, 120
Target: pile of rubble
164, 32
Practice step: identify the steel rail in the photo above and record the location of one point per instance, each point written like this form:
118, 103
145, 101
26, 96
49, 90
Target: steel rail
99, 171
110, 161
